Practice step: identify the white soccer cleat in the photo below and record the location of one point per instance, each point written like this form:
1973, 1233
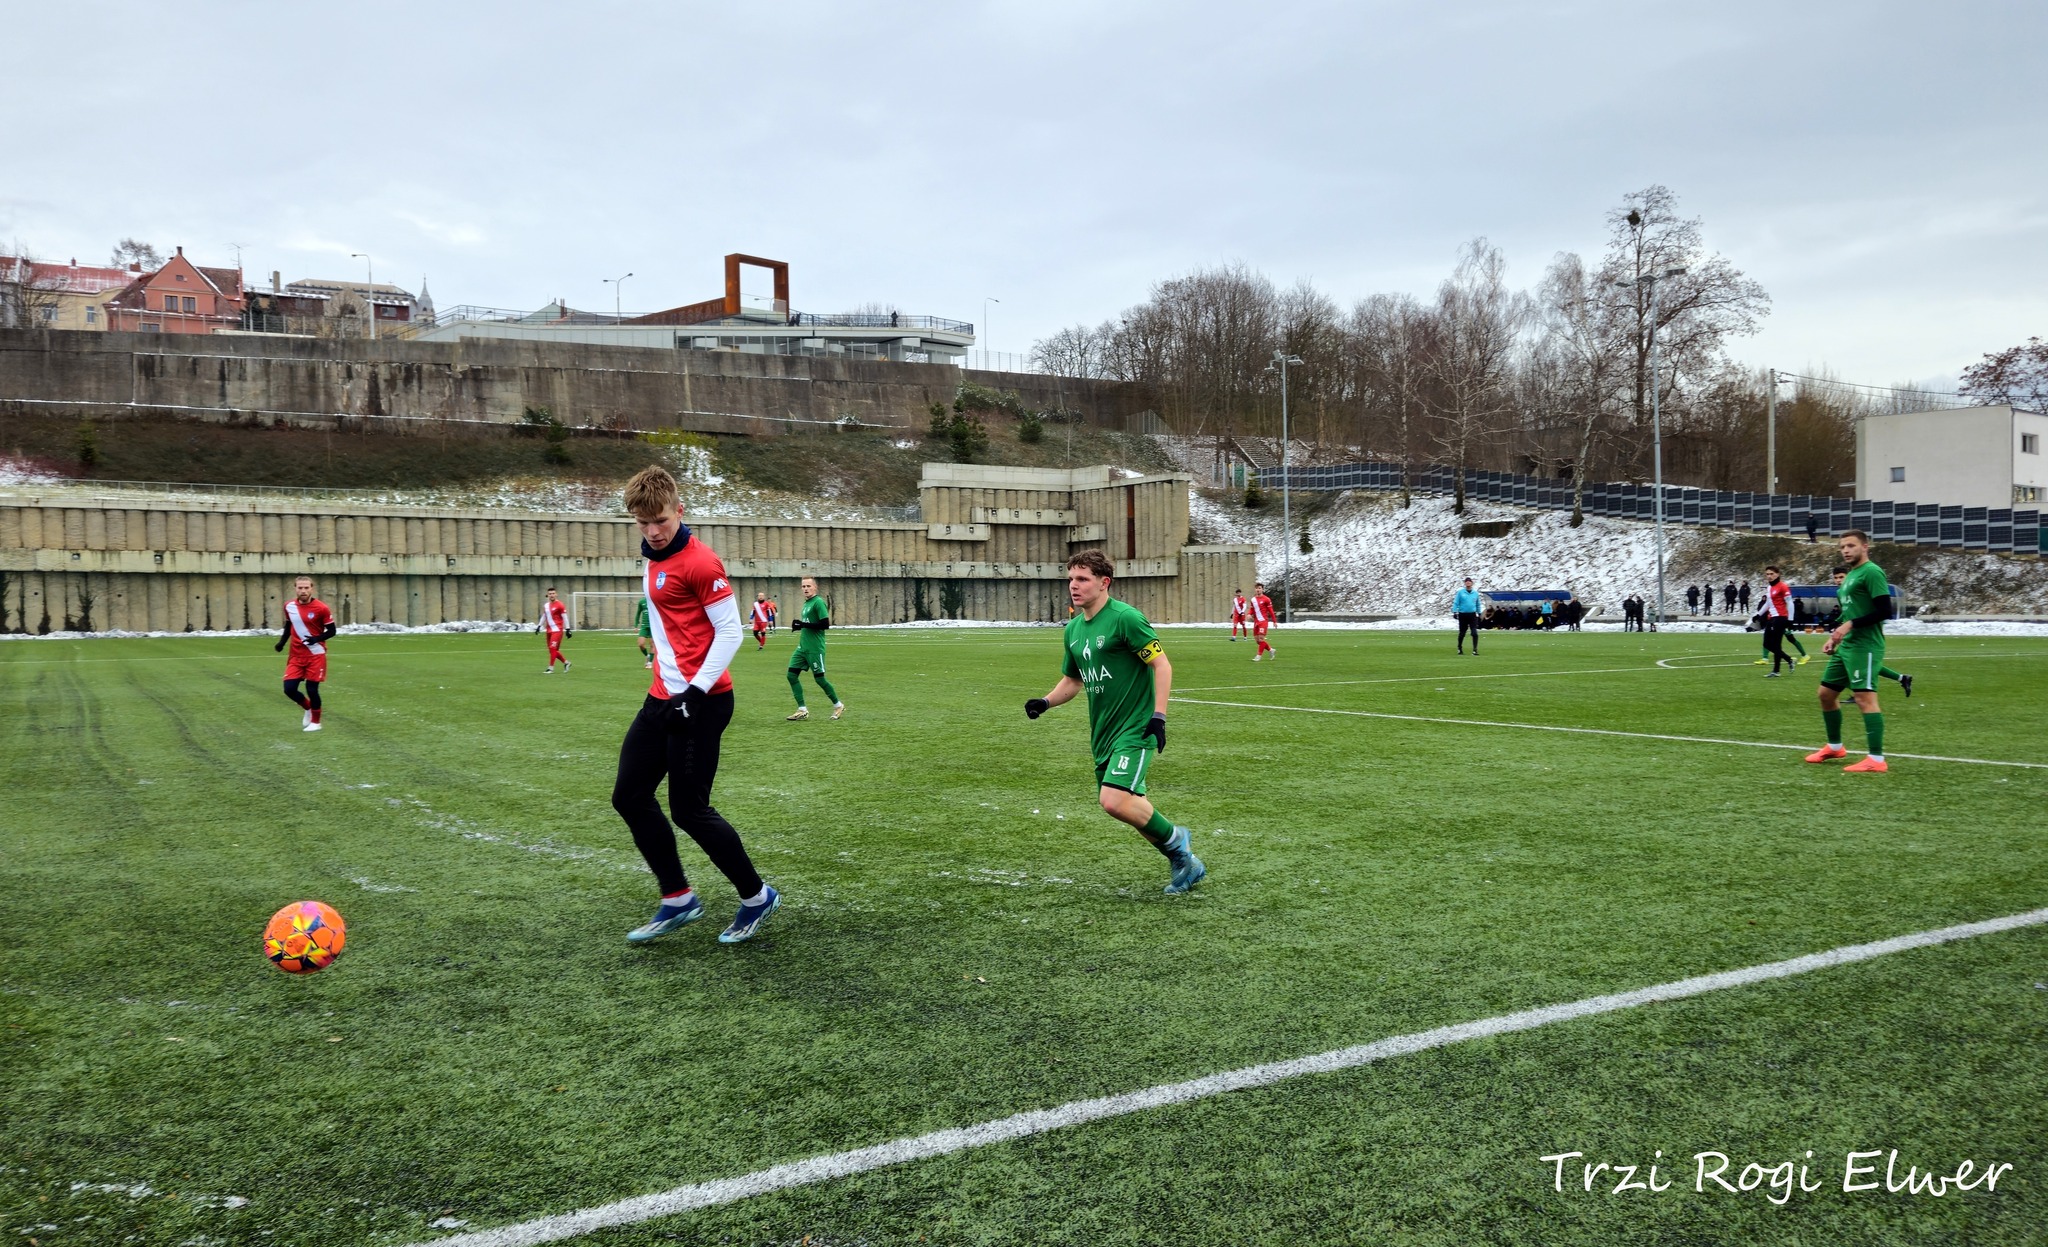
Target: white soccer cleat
802, 712
305, 718
565, 664
838, 708
1255, 657
312, 727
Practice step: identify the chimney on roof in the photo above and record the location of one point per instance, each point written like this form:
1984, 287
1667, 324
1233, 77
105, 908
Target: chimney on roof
181, 251
276, 281
135, 266
74, 261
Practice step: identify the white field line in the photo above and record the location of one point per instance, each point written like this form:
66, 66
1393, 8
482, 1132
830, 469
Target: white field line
1662, 664
1040, 1121
1590, 731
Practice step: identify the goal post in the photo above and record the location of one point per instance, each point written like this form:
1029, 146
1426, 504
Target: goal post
602, 612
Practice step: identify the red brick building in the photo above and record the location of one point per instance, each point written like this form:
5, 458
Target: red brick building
180, 297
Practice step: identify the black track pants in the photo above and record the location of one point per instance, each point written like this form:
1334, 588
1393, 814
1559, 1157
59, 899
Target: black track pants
688, 757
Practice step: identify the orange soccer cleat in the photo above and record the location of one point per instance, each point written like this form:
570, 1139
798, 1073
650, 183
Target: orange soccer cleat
1868, 765
1828, 753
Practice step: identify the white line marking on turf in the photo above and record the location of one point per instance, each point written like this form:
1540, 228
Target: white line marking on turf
1480, 675
1040, 1121
1589, 731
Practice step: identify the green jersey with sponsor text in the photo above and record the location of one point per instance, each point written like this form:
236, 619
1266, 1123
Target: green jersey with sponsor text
1864, 584
1111, 655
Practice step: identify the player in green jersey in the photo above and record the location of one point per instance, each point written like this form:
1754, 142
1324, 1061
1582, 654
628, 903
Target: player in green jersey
810, 625
1113, 653
1900, 678
1855, 647
645, 630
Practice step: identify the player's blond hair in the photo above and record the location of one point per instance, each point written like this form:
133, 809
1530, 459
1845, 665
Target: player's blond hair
652, 491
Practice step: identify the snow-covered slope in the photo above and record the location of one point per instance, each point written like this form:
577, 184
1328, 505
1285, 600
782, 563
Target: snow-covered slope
1370, 555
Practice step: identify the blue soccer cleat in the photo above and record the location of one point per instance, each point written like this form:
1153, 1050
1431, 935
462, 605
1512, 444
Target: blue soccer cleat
1187, 868
668, 918
750, 918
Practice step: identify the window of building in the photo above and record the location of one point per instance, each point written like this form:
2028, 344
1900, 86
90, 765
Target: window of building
2027, 493
2030, 443
151, 327
191, 303
1898, 476
170, 303
92, 316
49, 315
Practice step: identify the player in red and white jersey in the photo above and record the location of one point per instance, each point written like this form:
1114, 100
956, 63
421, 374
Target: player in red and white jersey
308, 626
554, 620
1262, 618
1238, 609
696, 631
1775, 614
762, 619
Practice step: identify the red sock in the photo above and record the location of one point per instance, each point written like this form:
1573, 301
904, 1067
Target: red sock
316, 715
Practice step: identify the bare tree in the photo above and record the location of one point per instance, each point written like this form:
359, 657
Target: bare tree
1386, 331
2015, 377
28, 294
134, 251
1076, 351
1697, 311
1584, 332
1478, 330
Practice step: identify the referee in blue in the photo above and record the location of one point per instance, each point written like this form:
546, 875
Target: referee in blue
1465, 604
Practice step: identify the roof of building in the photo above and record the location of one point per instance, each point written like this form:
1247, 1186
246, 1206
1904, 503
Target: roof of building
360, 287
72, 278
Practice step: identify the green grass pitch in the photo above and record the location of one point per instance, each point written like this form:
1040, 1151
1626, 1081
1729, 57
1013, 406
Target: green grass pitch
966, 936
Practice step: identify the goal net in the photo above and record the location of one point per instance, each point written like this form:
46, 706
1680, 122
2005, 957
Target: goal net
602, 612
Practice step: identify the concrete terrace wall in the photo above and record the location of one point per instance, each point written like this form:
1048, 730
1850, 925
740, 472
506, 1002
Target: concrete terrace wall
267, 379
73, 560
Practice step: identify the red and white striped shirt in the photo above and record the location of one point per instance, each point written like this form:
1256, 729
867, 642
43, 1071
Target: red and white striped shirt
682, 586
760, 616
307, 622
1262, 609
554, 616
1237, 606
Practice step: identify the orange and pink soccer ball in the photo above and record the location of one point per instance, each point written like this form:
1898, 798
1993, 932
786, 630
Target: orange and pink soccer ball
303, 937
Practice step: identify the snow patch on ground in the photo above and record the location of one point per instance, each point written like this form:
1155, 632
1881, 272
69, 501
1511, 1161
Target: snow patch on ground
16, 471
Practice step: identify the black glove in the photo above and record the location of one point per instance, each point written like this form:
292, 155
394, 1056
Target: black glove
279, 647
567, 633
682, 707
1035, 707
1156, 729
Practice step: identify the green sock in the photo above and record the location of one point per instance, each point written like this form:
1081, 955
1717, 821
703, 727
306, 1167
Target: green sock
1159, 830
1833, 719
795, 687
1794, 638
826, 684
1888, 673
1873, 732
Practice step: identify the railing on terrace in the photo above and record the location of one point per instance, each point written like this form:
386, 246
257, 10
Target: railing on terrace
1995, 530
844, 320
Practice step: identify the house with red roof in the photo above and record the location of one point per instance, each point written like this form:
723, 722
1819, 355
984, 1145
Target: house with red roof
43, 294
180, 297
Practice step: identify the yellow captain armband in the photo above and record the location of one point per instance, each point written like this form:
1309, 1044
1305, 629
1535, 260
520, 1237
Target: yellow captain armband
1150, 652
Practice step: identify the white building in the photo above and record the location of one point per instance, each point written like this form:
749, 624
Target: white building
1959, 457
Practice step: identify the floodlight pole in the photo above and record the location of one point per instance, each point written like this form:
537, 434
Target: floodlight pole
1771, 437
1656, 423
1280, 361
616, 283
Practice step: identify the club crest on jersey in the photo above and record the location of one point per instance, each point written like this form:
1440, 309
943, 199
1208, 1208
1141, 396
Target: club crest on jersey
717, 584
660, 579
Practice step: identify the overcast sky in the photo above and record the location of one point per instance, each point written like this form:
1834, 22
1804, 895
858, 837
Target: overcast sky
1877, 166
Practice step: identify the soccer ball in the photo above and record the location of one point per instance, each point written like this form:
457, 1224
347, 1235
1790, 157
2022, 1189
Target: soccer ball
303, 937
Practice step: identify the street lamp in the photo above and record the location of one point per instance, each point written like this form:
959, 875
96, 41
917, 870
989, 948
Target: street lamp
616, 283
1281, 360
986, 336
369, 270
1771, 433
1656, 424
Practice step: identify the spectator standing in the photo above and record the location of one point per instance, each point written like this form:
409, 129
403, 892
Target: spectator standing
1692, 598
1742, 594
1812, 526
1728, 598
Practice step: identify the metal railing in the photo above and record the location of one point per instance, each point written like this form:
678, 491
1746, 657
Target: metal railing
1995, 530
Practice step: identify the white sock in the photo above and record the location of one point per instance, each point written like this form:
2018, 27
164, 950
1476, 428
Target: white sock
681, 898
758, 898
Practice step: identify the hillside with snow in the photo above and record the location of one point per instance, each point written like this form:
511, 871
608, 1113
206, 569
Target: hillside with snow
1370, 555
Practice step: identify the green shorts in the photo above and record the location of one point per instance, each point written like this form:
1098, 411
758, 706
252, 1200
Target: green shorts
646, 633
1854, 666
1126, 766
813, 663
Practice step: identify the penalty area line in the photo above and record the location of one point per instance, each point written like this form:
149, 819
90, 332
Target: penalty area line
1592, 731
835, 1165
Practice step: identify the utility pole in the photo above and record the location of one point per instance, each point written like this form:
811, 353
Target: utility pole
1771, 438
368, 295
617, 284
1280, 361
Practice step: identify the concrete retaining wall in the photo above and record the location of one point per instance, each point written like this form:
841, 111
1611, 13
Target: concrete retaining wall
75, 560
262, 379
